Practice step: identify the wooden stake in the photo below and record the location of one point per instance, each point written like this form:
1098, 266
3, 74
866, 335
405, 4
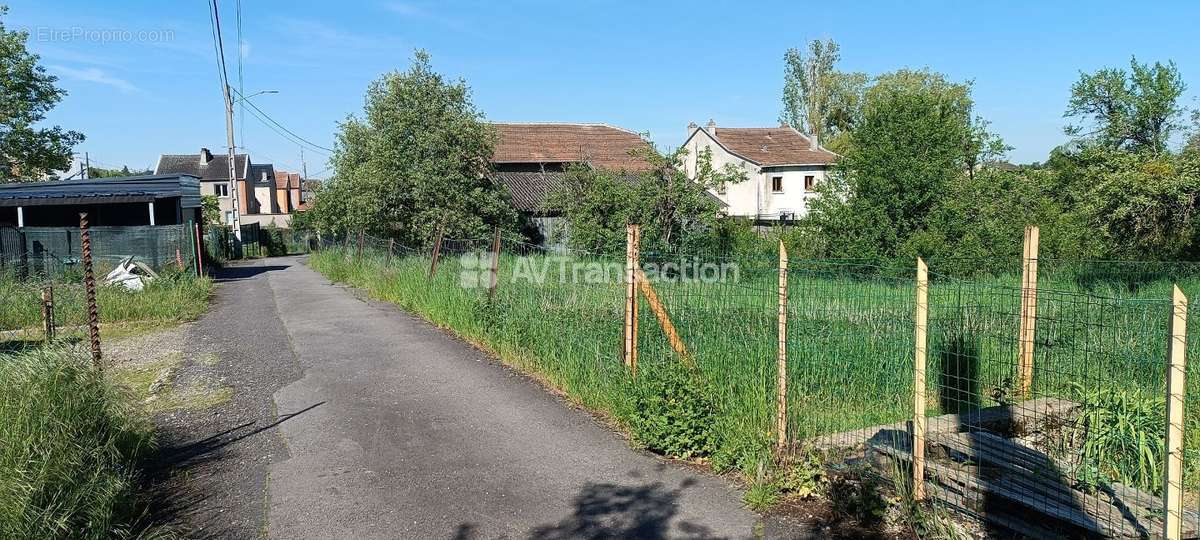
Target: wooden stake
664, 319
1177, 352
1029, 278
631, 267
494, 271
437, 250
922, 328
361, 238
391, 249
781, 383
48, 312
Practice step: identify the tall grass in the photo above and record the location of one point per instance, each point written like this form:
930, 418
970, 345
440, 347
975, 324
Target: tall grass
174, 297
850, 337
69, 445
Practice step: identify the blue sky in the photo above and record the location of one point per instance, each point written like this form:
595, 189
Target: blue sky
646, 66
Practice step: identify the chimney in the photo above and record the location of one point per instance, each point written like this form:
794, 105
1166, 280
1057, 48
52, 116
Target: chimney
205, 156
264, 176
711, 127
813, 144
692, 127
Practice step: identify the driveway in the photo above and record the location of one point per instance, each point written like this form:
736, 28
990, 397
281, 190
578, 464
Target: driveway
391, 428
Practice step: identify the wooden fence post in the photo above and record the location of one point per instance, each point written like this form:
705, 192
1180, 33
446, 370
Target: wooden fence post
89, 284
631, 267
781, 383
494, 271
48, 312
1176, 370
922, 329
358, 253
664, 318
437, 250
1028, 330
391, 249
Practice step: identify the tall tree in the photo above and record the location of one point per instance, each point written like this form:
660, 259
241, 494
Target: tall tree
1135, 110
27, 93
817, 98
416, 159
917, 135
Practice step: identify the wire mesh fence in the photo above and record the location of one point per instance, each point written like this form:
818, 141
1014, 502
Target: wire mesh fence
1045, 408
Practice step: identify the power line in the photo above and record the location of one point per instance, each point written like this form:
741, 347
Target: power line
282, 133
267, 118
241, 81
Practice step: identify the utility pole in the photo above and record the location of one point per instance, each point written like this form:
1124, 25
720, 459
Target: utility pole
87, 166
303, 167
234, 191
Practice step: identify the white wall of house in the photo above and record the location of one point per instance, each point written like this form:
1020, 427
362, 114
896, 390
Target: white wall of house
756, 197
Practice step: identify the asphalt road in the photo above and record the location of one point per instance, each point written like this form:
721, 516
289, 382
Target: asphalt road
395, 429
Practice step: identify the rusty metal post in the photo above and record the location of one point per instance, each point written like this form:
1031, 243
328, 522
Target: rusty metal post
437, 250
179, 259
199, 253
494, 274
89, 284
48, 312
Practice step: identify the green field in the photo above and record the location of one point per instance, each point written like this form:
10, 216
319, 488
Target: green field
850, 342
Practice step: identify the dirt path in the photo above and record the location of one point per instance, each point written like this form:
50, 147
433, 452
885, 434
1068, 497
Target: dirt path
381, 426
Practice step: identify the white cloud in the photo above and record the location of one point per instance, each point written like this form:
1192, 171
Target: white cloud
95, 75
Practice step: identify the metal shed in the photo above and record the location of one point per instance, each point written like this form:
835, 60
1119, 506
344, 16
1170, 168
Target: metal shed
129, 200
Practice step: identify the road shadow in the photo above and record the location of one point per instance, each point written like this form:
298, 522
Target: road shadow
173, 458
607, 510
237, 273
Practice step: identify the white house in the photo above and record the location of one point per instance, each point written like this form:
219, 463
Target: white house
782, 168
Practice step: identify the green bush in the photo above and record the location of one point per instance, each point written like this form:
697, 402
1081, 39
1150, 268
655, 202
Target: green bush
673, 411
69, 444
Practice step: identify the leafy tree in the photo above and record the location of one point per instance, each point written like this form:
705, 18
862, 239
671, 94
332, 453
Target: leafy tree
211, 209
417, 158
818, 99
916, 137
98, 172
1135, 110
27, 93
675, 211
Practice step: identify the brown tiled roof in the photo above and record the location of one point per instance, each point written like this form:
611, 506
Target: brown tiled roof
601, 145
286, 180
773, 146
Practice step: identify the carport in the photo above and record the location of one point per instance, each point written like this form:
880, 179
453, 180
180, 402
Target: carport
122, 201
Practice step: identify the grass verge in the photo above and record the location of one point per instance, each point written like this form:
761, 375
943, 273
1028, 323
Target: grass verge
70, 443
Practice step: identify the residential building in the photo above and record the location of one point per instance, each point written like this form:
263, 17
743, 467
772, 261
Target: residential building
530, 160
783, 168
257, 185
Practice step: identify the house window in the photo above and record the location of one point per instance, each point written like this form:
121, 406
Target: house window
808, 183
229, 217
777, 184
222, 190
721, 188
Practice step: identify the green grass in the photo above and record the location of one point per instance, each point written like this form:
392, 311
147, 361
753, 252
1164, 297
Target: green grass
174, 298
850, 338
69, 447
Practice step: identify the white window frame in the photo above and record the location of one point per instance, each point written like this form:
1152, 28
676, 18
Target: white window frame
221, 189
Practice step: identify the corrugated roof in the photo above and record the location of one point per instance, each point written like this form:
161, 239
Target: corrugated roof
529, 190
102, 190
772, 146
601, 145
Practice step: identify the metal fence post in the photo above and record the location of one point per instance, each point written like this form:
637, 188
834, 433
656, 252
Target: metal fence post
89, 283
1029, 279
921, 334
48, 312
781, 382
1176, 371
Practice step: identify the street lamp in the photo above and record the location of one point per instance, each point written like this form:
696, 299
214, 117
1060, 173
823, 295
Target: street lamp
243, 98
